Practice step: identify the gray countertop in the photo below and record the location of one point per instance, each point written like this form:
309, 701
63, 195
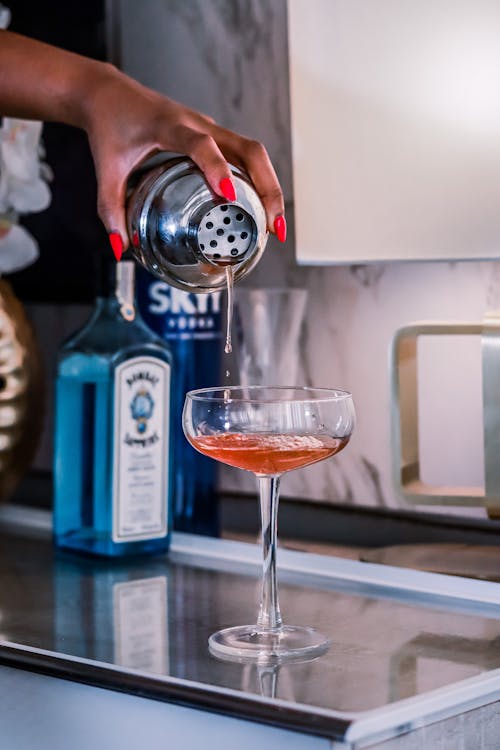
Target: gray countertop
408, 648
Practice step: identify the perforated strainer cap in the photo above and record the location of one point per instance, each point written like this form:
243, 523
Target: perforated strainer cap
186, 235
226, 233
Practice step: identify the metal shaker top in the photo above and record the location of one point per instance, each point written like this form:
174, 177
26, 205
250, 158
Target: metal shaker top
186, 235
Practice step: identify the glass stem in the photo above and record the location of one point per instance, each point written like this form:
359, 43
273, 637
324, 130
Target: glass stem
269, 614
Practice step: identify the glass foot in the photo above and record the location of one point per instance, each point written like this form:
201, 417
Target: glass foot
245, 642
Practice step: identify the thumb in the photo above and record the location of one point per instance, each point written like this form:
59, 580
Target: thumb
111, 210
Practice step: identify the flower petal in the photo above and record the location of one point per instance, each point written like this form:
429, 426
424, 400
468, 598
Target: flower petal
18, 249
28, 197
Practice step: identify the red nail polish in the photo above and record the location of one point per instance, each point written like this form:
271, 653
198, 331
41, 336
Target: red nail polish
280, 228
135, 238
116, 244
227, 189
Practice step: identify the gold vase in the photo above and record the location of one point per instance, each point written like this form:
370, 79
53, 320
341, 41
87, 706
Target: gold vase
21, 391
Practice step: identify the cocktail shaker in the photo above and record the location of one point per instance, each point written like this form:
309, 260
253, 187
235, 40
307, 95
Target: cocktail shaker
185, 234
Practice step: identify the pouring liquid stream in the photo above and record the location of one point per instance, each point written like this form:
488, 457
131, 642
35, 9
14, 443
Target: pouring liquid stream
229, 280
228, 348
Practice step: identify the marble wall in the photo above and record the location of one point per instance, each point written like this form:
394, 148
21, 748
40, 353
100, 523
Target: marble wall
229, 58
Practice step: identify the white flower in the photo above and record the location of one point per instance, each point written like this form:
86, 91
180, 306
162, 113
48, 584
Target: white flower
23, 184
18, 248
22, 188
4, 16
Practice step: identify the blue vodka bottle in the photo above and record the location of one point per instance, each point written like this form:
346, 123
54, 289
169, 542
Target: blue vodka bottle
191, 324
112, 472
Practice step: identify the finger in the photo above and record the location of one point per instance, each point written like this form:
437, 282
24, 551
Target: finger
111, 209
262, 173
254, 159
204, 151
201, 120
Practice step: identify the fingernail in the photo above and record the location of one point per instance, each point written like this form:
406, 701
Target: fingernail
280, 227
116, 244
135, 238
227, 189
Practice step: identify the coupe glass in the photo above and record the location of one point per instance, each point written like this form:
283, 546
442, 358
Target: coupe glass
268, 431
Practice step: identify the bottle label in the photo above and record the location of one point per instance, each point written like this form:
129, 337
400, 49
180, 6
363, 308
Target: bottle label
177, 314
141, 427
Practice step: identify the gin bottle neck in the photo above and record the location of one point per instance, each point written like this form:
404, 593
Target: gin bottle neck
125, 288
117, 290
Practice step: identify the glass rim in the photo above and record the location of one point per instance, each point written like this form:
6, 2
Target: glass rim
242, 290
328, 394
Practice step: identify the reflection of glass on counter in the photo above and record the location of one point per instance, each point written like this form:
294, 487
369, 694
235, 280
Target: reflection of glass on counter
275, 679
140, 624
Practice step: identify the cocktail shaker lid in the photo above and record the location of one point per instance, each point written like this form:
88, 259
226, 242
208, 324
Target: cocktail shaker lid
185, 234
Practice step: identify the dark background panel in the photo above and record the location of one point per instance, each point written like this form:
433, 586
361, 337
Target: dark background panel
69, 232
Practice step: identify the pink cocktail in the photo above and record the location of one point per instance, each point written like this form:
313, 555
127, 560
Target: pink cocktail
268, 431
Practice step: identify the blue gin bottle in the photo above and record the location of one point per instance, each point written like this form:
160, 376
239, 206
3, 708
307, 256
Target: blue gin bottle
112, 473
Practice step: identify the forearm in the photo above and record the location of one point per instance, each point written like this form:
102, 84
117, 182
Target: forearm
41, 82
125, 123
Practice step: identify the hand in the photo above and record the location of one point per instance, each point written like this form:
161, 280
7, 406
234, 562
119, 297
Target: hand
127, 122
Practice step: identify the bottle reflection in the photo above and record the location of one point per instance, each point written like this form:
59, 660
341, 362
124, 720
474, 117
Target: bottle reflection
140, 624
114, 614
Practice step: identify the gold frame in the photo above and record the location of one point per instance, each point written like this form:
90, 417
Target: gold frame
404, 416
